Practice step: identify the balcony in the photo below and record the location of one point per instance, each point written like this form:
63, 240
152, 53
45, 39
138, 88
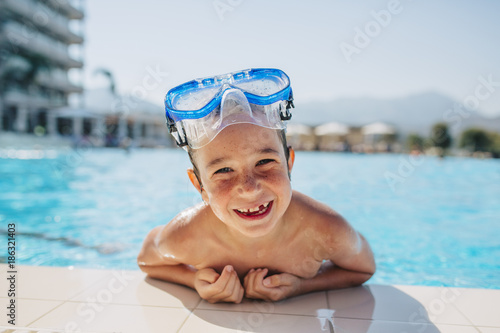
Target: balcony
58, 81
70, 8
32, 99
43, 18
16, 35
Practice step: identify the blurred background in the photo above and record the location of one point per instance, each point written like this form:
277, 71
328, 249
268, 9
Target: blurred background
371, 76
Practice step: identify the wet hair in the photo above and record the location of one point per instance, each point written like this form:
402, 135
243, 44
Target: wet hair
281, 135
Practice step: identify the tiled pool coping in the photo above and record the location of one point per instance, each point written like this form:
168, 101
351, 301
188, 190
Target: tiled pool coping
58, 299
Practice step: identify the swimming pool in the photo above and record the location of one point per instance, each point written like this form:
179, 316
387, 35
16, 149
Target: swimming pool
429, 221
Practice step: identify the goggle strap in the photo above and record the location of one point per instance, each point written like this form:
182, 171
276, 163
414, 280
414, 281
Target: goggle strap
286, 114
180, 139
171, 125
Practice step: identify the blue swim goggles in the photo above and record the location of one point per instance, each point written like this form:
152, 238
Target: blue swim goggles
198, 110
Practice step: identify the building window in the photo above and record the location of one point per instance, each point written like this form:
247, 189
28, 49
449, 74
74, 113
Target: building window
64, 126
9, 117
87, 126
42, 118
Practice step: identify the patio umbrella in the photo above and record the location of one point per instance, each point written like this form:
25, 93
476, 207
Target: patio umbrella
378, 128
298, 129
331, 128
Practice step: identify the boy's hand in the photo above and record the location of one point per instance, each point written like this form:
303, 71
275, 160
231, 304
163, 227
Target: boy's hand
215, 287
273, 288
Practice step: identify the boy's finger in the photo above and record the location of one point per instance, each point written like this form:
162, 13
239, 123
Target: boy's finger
249, 283
238, 291
241, 294
249, 278
261, 275
226, 291
225, 275
232, 291
272, 281
254, 289
208, 275
258, 277
225, 284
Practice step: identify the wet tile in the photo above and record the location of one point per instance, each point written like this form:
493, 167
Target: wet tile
74, 317
481, 306
208, 321
307, 305
52, 283
395, 303
26, 310
134, 288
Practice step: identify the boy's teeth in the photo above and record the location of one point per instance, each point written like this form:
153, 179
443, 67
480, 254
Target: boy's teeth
253, 210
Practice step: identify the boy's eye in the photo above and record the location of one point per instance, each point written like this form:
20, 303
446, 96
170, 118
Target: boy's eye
265, 161
223, 170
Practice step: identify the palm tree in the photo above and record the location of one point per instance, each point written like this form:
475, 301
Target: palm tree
107, 73
112, 128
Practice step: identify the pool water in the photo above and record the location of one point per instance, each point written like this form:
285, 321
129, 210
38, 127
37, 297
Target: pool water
429, 221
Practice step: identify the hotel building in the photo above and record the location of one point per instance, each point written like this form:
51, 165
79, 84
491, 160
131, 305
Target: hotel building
41, 61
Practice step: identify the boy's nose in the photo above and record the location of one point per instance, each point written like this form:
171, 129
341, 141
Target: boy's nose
248, 184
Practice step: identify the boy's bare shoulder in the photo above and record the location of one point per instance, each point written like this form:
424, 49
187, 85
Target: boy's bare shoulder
184, 229
318, 217
304, 205
331, 236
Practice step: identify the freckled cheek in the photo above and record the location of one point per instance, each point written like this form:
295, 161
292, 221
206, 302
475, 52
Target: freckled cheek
277, 180
221, 193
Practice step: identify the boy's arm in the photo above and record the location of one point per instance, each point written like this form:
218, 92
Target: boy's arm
160, 266
209, 284
351, 265
339, 244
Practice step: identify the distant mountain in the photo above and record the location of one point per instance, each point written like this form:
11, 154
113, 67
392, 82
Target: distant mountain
415, 113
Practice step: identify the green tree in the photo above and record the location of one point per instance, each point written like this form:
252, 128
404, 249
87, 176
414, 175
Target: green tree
476, 139
495, 146
415, 142
440, 136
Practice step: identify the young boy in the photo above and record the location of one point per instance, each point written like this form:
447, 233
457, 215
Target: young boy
252, 236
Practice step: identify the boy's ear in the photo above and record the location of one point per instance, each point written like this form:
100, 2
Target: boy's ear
194, 180
291, 158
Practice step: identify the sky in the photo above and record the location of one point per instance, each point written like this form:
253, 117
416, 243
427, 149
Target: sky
330, 49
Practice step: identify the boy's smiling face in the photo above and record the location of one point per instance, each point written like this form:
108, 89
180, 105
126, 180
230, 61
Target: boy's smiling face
245, 178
